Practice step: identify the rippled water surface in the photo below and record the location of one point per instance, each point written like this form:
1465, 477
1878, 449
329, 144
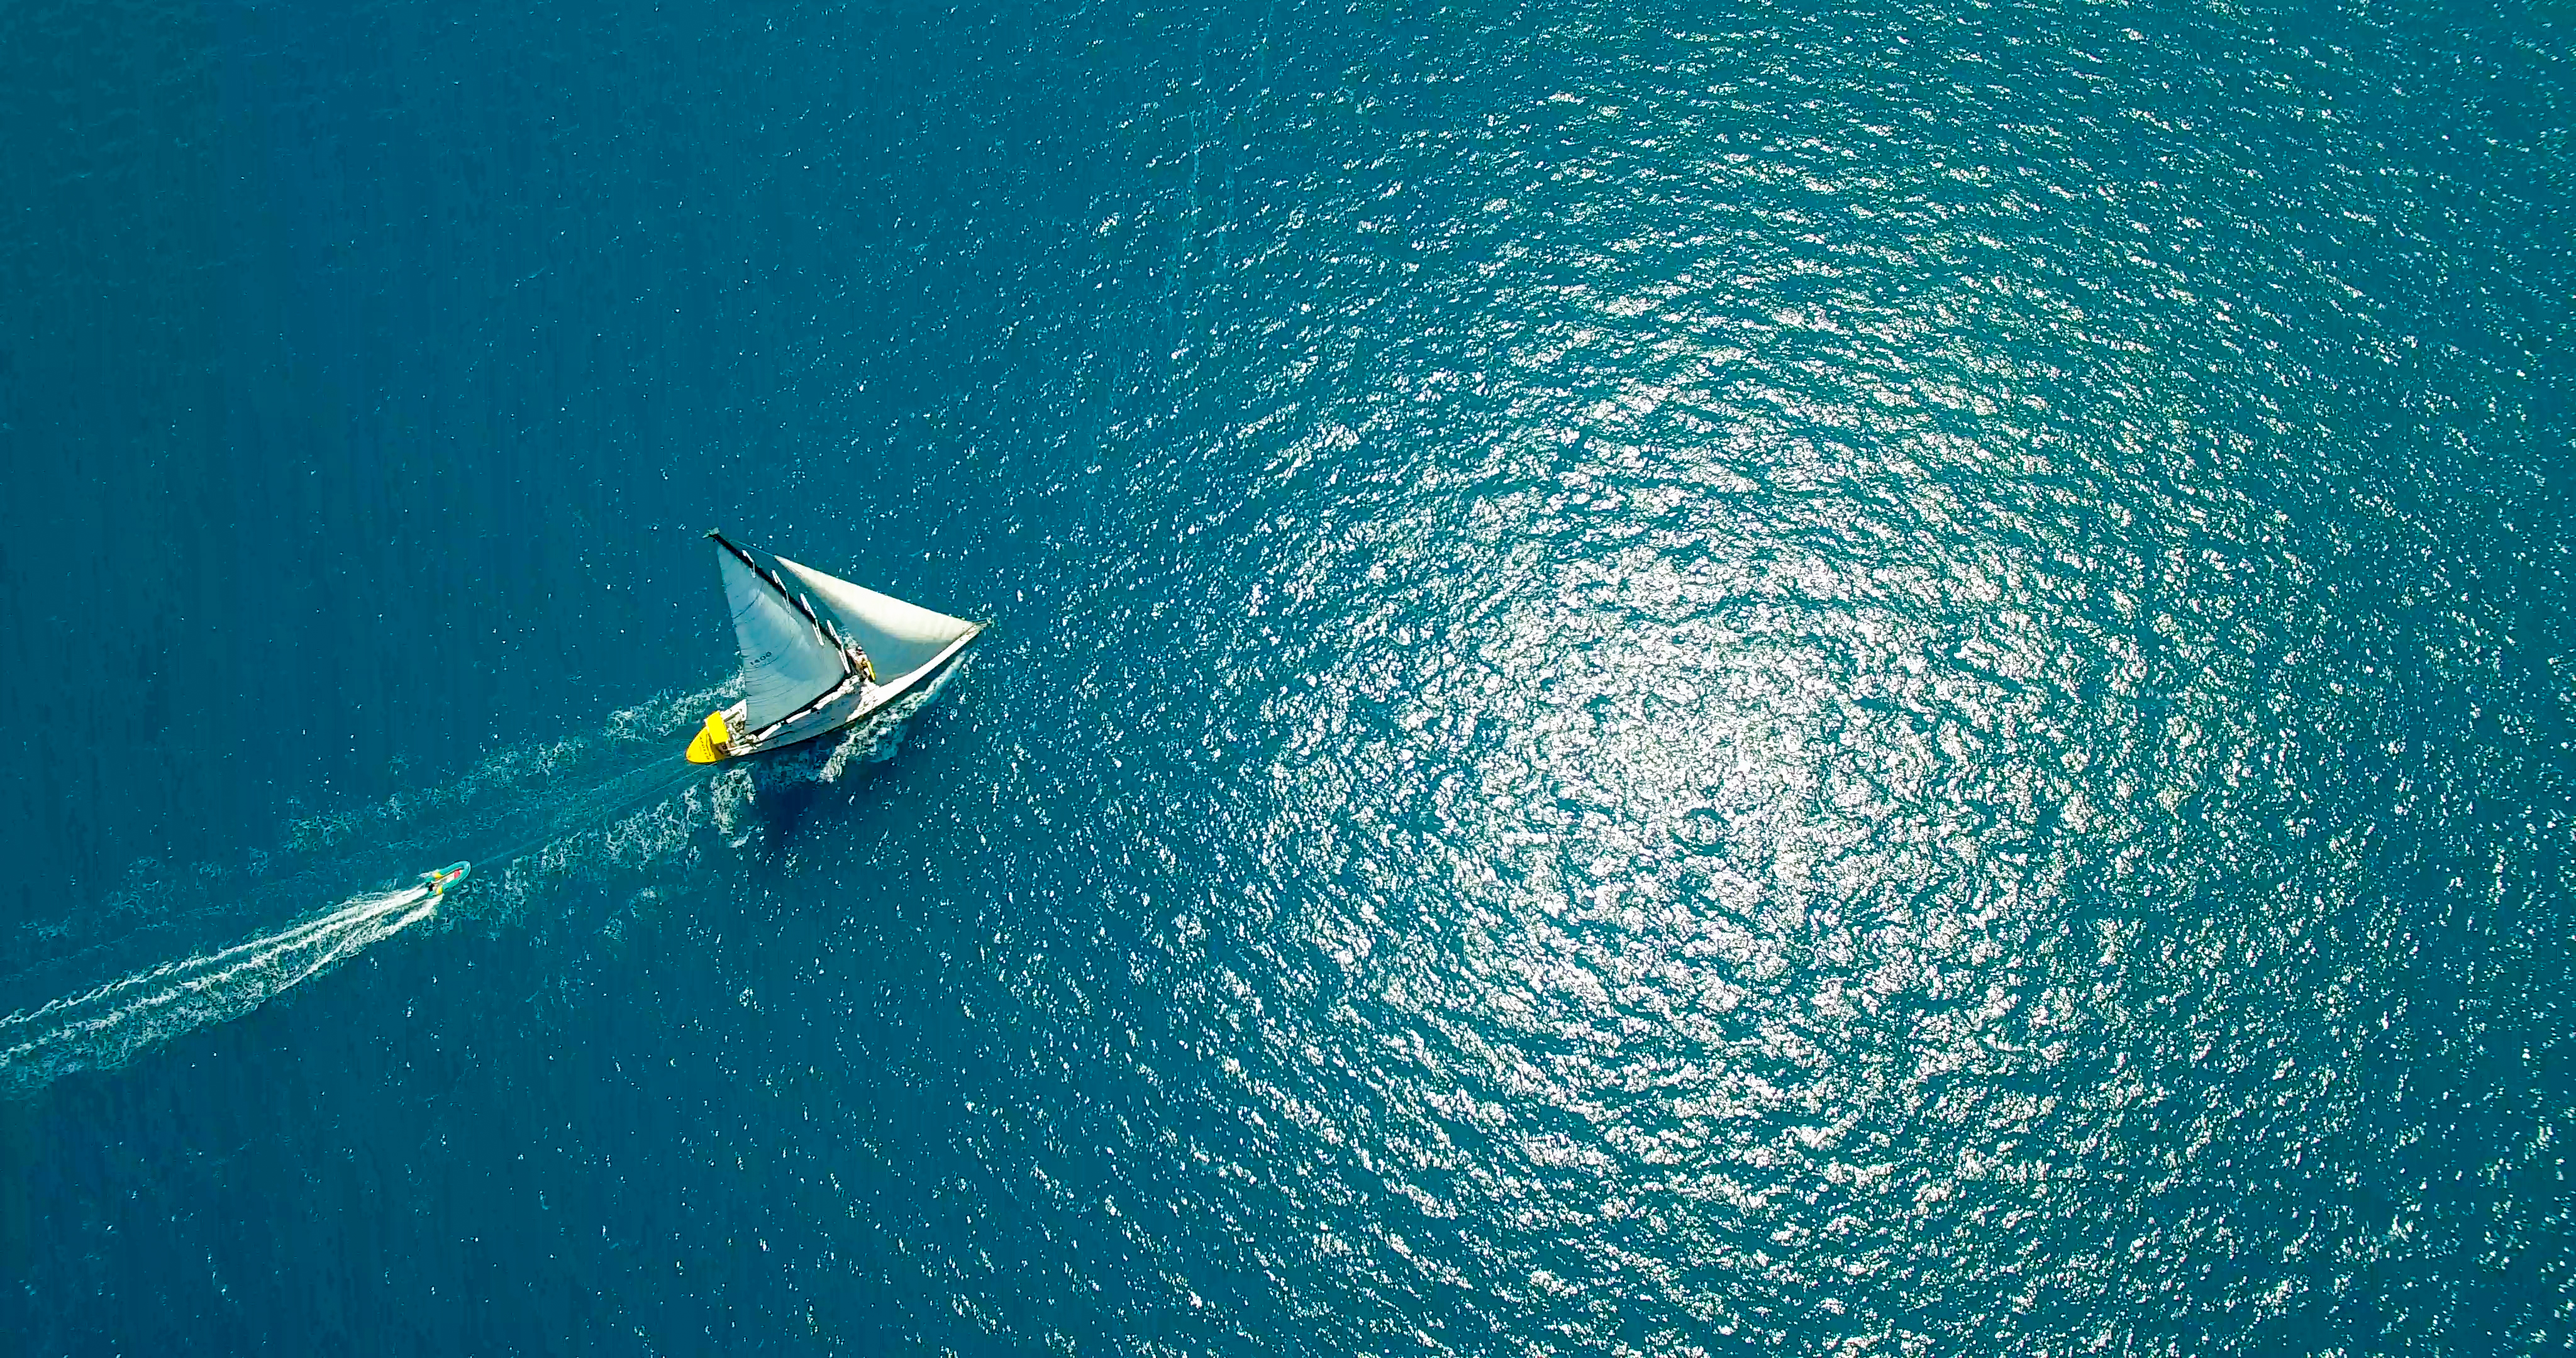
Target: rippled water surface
1663, 680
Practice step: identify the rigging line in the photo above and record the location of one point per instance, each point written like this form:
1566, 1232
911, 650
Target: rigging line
609, 803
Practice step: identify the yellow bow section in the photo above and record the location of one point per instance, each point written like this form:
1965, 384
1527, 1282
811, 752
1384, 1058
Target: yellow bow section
713, 741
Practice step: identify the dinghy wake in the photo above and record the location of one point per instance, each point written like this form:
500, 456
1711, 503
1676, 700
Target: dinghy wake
108, 1026
525, 822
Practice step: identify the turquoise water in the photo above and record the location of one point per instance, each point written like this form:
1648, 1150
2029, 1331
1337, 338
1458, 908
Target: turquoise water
1663, 680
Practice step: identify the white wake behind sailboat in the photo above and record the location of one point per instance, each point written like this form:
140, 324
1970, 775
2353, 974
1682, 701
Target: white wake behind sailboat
818, 653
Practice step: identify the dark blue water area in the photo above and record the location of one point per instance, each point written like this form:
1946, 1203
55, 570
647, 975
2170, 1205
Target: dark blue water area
1662, 680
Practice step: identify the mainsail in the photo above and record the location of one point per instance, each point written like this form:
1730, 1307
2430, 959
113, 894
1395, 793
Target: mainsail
787, 662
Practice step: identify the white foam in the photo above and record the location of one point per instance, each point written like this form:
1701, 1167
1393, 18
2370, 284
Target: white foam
583, 824
109, 1026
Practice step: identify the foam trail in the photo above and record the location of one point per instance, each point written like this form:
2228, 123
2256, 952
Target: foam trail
103, 1028
111, 1025
528, 818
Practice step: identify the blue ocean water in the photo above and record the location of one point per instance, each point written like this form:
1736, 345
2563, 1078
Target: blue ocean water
1664, 679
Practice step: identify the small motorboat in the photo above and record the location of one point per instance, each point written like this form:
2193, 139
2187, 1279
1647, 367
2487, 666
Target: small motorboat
439, 880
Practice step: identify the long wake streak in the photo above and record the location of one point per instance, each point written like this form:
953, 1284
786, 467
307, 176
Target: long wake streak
104, 1028
111, 1025
523, 824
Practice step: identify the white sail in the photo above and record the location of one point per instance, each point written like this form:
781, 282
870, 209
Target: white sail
786, 663
900, 638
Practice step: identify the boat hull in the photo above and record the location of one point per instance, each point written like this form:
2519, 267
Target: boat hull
835, 714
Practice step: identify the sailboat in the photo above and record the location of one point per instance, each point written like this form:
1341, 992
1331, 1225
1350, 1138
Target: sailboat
819, 653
